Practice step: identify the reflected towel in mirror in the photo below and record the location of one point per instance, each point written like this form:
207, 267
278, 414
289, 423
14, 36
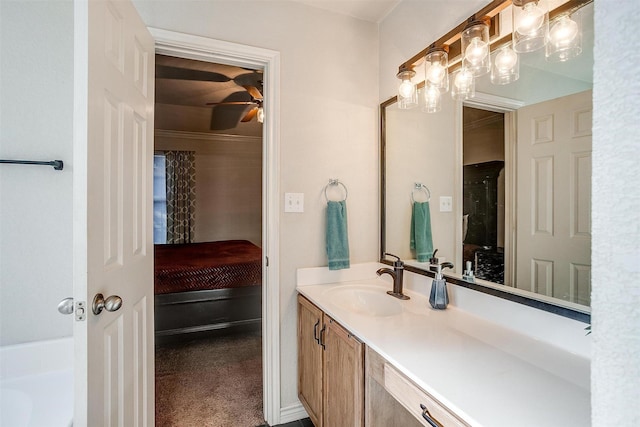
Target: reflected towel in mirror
421, 239
337, 235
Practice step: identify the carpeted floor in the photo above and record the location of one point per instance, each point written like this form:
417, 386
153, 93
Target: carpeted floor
213, 382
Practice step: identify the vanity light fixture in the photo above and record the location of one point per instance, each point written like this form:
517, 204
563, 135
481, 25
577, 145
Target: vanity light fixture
475, 47
463, 85
436, 68
432, 97
505, 68
565, 39
407, 92
530, 25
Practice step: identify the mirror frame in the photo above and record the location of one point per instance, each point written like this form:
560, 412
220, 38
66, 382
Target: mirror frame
451, 38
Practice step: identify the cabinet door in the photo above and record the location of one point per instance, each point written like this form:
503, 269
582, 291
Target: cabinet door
343, 377
310, 359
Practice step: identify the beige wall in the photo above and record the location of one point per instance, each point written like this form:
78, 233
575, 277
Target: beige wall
228, 183
36, 108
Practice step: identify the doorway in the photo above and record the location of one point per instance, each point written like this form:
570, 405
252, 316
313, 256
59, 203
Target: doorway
194, 47
483, 193
208, 240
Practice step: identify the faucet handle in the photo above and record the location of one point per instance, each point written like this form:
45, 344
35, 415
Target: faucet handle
398, 262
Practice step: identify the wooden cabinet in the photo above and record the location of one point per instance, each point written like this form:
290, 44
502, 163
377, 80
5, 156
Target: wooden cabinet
330, 369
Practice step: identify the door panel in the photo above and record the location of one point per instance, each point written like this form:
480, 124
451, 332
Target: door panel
113, 147
554, 198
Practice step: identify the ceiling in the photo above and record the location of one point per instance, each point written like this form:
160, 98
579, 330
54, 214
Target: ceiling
367, 10
184, 87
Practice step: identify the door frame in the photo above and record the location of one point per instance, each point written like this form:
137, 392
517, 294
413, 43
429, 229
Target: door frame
211, 50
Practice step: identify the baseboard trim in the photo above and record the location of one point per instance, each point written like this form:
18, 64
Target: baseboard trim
292, 413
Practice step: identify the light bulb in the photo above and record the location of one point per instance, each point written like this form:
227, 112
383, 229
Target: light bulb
406, 89
476, 51
506, 59
563, 32
431, 99
463, 80
260, 115
435, 73
531, 19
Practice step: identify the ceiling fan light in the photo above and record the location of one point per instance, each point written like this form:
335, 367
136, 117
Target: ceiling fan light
475, 46
407, 93
506, 67
436, 69
530, 25
260, 115
565, 39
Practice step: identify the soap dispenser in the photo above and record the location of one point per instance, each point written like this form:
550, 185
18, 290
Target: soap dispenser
439, 298
468, 276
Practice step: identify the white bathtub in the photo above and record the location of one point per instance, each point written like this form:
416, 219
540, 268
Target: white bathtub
36, 384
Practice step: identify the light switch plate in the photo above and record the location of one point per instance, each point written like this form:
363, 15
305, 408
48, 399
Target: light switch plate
294, 202
446, 203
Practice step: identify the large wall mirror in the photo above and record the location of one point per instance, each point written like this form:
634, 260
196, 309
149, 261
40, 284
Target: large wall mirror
507, 174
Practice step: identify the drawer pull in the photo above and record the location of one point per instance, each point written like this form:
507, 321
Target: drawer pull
427, 416
324, 328
315, 332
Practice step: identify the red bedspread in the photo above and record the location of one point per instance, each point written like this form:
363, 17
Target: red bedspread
209, 265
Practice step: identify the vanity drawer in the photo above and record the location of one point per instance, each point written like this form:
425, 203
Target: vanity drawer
417, 401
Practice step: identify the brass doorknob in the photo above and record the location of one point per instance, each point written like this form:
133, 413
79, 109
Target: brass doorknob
111, 303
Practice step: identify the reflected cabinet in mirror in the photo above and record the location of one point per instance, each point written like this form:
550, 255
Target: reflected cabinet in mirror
506, 178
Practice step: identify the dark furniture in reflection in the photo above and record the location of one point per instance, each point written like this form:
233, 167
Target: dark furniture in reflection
480, 204
203, 289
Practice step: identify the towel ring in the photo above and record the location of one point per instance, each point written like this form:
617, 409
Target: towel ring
333, 182
420, 187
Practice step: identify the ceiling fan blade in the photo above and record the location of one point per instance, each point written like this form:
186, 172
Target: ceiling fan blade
255, 93
168, 72
250, 115
231, 103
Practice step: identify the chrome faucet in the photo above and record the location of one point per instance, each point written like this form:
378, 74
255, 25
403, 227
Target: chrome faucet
397, 275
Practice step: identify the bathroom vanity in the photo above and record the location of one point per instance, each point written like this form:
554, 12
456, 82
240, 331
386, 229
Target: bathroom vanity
378, 361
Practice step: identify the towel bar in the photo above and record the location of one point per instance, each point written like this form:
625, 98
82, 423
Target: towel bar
420, 187
334, 182
56, 164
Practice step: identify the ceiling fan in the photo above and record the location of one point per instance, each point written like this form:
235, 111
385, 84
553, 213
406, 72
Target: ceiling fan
256, 101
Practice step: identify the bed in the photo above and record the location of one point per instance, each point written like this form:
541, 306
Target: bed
208, 288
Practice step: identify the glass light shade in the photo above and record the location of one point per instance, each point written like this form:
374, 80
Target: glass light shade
565, 39
475, 46
436, 69
463, 85
432, 98
505, 68
530, 25
407, 93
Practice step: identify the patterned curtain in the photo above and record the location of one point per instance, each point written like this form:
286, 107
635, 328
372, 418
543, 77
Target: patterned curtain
181, 196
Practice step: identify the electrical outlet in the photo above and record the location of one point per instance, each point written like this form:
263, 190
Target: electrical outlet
294, 202
446, 203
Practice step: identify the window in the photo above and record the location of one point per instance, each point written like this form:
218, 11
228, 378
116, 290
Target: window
159, 199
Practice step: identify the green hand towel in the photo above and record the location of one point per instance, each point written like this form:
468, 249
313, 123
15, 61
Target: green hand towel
337, 236
421, 239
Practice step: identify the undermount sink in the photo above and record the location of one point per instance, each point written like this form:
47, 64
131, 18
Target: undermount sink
363, 299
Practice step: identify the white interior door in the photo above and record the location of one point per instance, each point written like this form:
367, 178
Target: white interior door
113, 247
554, 198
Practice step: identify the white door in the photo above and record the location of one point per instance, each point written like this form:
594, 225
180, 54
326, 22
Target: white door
113, 249
554, 198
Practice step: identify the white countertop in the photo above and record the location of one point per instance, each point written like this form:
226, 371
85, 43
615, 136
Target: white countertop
488, 375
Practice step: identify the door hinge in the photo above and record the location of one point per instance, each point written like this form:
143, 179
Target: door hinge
267, 261
80, 311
